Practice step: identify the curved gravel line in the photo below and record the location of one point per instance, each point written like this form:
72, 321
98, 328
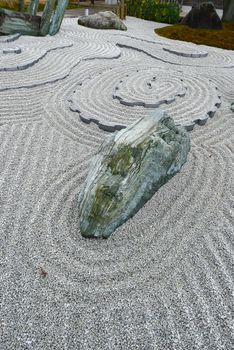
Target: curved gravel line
135, 92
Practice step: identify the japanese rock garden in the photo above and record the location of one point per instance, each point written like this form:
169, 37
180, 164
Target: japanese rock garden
125, 135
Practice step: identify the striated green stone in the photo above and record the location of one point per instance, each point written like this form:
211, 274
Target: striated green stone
12, 22
128, 169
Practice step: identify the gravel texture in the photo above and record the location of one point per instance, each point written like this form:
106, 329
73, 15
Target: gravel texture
164, 279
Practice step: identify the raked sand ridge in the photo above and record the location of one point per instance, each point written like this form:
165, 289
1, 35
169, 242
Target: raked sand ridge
163, 280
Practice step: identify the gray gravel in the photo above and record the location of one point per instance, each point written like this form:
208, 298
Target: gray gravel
162, 281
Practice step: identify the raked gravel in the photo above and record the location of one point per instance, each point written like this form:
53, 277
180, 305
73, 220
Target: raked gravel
163, 280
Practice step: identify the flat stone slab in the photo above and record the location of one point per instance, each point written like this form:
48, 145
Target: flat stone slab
12, 50
9, 38
187, 52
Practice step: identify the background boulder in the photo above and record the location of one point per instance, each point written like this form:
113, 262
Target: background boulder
203, 16
102, 20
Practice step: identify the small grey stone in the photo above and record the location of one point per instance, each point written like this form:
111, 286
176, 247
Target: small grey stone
11, 50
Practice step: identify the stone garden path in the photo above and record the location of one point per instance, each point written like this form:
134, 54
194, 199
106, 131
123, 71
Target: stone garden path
164, 280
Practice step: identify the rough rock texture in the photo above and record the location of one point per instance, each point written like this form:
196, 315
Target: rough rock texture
128, 170
228, 11
12, 22
16, 22
203, 16
102, 20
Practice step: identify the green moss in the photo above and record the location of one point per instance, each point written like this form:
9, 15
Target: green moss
105, 198
154, 10
121, 161
125, 157
223, 38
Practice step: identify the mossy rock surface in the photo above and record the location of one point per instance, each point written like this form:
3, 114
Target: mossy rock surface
223, 38
129, 168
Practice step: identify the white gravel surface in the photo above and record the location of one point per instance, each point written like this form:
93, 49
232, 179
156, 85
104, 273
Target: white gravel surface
164, 280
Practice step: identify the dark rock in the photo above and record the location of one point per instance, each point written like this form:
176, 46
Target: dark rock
12, 22
232, 106
128, 170
228, 11
16, 22
203, 16
102, 20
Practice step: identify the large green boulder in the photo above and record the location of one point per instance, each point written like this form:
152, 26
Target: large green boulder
129, 168
12, 22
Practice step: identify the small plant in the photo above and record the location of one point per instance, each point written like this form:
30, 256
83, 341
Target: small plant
11, 4
154, 10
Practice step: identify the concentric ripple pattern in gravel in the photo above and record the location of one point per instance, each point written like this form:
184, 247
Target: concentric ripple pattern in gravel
163, 280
